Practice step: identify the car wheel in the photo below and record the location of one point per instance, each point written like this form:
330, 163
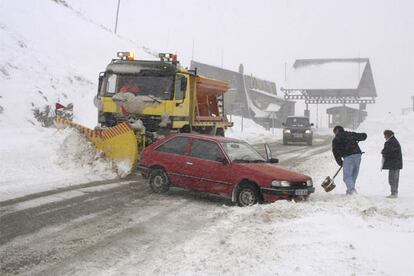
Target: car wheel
159, 181
247, 195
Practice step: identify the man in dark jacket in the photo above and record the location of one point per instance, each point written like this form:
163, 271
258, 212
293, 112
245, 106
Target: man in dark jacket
392, 161
347, 153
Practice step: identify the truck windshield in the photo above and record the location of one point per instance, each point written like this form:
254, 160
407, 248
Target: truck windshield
242, 153
297, 121
156, 85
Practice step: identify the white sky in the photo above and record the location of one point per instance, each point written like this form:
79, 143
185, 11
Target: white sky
264, 35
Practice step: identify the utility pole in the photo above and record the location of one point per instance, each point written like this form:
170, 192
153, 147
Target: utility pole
117, 13
192, 51
221, 57
317, 114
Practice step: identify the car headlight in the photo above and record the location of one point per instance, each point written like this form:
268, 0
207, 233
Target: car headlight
309, 183
308, 131
280, 183
286, 131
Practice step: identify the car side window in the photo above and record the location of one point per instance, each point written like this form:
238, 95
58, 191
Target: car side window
206, 150
176, 145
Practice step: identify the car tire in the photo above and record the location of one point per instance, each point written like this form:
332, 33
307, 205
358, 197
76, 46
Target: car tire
159, 181
247, 195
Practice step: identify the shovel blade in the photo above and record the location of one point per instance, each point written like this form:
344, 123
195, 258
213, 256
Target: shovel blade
328, 184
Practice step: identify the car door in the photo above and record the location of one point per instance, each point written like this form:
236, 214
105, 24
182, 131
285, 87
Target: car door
172, 156
208, 167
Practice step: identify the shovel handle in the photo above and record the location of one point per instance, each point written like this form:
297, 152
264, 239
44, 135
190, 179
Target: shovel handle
340, 168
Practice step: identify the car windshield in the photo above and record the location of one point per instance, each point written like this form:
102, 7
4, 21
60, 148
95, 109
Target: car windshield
159, 86
297, 121
242, 153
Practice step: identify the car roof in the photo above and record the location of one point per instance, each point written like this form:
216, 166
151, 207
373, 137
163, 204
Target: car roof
219, 139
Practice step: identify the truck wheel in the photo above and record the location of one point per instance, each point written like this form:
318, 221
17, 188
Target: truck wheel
247, 195
220, 132
159, 181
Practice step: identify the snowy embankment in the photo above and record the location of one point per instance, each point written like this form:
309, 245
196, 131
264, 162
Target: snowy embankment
55, 63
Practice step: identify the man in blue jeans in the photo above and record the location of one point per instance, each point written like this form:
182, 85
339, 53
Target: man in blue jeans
347, 153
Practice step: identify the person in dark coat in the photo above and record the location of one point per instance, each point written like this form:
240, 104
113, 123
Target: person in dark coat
347, 153
392, 161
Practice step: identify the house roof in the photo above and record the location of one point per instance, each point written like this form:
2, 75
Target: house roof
256, 93
332, 77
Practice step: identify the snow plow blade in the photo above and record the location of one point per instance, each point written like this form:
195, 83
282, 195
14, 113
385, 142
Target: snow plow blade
118, 143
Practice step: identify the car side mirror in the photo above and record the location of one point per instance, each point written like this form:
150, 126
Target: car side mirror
311, 124
96, 100
283, 124
222, 160
273, 160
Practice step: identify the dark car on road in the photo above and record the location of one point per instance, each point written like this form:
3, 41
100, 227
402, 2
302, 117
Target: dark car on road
297, 129
222, 166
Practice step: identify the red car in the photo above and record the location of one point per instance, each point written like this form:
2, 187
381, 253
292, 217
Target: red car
219, 165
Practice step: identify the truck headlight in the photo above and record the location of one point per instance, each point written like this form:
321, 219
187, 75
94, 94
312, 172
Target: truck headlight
286, 131
309, 183
280, 183
308, 131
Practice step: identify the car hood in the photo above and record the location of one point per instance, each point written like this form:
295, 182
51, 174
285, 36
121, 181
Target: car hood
272, 172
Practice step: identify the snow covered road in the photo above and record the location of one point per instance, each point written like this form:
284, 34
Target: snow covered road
51, 230
120, 228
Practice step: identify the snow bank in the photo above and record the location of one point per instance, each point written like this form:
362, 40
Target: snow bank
35, 160
252, 132
340, 234
55, 63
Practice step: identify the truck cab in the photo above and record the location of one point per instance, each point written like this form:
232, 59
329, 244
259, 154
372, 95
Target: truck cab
162, 95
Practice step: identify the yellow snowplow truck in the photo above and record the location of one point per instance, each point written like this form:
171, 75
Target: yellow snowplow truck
151, 99
161, 96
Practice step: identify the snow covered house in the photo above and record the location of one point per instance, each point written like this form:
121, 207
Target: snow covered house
333, 81
249, 96
348, 78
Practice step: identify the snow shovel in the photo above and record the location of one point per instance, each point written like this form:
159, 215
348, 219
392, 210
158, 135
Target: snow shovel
328, 184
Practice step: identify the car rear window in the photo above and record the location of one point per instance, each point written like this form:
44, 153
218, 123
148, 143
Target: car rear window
206, 150
176, 145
